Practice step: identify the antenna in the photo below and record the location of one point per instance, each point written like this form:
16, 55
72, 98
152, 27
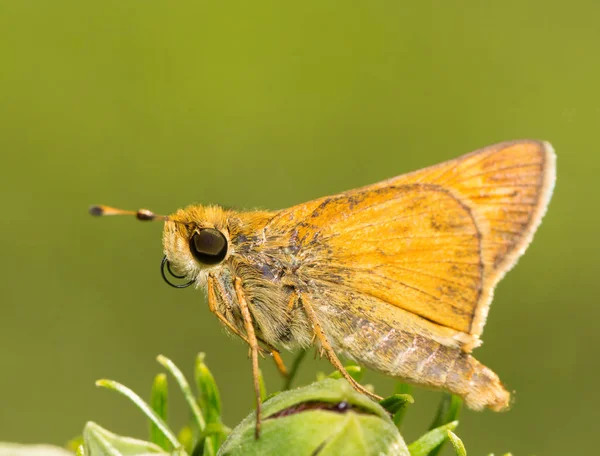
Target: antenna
142, 214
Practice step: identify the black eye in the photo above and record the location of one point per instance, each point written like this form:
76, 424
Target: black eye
208, 246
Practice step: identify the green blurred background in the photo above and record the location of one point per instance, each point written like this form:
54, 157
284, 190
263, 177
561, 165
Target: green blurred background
268, 104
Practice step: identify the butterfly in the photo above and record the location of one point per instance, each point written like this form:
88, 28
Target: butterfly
397, 276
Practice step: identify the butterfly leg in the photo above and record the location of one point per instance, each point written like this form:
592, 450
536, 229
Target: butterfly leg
212, 306
253, 342
279, 362
329, 352
275, 354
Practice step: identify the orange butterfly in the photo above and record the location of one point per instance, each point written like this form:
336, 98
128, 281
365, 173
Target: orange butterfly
397, 276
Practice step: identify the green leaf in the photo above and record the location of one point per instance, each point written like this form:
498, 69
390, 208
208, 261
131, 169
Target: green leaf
100, 442
459, 447
185, 388
402, 388
431, 440
204, 448
209, 397
211, 439
397, 405
145, 408
448, 411
396, 402
210, 404
187, 438
261, 386
294, 369
454, 409
158, 402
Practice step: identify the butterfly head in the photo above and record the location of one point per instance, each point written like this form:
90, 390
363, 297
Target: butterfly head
195, 239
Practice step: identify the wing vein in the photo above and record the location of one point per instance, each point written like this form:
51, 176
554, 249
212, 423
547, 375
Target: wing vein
368, 225
498, 186
483, 157
433, 236
456, 309
496, 170
415, 271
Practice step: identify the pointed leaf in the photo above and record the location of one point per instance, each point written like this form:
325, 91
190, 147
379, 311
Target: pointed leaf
397, 405
261, 386
448, 411
294, 370
459, 447
209, 397
431, 440
145, 408
158, 402
402, 388
396, 402
210, 404
185, 388
187, 439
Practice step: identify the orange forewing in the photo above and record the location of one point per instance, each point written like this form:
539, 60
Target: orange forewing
434, 242
508, 187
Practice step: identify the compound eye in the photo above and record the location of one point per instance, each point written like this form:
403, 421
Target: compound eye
208, 246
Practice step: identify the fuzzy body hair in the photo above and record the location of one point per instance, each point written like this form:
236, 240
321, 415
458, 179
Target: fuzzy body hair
265, 267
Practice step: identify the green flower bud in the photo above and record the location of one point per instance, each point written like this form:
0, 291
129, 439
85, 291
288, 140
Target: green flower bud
326, 418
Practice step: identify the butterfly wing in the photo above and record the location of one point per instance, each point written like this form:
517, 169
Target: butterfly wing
508, 187
434, 242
